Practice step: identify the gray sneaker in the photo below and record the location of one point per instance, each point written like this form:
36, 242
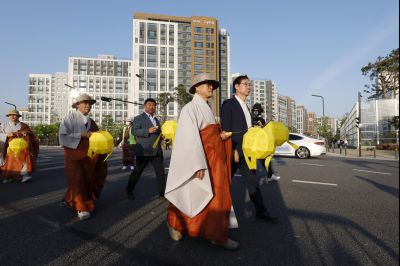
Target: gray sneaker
26, 178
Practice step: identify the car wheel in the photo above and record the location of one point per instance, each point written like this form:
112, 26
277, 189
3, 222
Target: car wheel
302, 153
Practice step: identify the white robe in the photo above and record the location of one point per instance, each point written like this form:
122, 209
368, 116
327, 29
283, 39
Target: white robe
71, 128
6, 129
189, 194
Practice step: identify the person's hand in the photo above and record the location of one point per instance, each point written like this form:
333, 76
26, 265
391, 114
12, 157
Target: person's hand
10, 135
225, 135
86, 134
153, 130
200, 174
235, 156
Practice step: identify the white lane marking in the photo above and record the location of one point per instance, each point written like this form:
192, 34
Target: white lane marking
313, 164
237, 175
359, 170
315, 183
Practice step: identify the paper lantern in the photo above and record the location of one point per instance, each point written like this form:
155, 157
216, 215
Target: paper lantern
100, 142
279, 131
16, 146
257, 144
168, 129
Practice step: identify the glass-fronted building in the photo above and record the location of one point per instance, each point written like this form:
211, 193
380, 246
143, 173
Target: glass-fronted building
376, 126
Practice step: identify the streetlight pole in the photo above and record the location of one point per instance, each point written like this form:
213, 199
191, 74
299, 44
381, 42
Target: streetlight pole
15, 107
359, 127
148, 83
323, 103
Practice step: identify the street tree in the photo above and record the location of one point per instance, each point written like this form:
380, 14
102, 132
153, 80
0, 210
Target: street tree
182, 96
163, 100
384, 74
324, 130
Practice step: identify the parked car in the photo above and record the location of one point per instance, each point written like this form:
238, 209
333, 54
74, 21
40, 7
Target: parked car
308, 147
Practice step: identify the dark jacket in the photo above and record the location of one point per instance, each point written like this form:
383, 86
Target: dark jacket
145, 140
234, 120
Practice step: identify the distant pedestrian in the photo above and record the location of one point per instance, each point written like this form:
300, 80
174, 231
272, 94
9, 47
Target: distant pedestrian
127, 141
346, 143
17, 166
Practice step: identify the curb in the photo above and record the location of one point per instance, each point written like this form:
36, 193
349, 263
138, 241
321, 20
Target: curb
361, 158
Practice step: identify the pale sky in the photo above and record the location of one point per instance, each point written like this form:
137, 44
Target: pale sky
306, 47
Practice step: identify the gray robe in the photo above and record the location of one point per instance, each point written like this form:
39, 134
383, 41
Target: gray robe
71, 128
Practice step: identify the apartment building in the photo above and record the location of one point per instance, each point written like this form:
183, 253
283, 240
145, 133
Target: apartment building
301, 119
39, 100
171, 50
312, 124
102, 76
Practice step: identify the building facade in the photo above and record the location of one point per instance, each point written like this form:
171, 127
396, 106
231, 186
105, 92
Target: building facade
171, 50
301, 119
102, 76
39, 100
376, 123
312, 124
282, 110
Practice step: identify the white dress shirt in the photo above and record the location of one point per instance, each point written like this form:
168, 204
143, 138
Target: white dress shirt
152, 119
245, 111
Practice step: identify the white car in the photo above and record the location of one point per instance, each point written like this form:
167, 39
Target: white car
307, 147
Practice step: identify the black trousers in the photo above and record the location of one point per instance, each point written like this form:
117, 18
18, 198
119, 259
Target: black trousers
141, 163
252, 184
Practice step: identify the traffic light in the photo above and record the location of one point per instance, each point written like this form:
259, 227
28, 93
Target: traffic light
357, 122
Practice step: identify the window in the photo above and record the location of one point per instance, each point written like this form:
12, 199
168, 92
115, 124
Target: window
198, 52
198, 59
294, 137
198, 44
198, 30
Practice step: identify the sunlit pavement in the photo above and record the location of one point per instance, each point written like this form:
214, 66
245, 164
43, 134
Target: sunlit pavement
333, 211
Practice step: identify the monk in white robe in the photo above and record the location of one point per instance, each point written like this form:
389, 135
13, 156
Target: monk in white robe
85, 175
198, 183
17, 167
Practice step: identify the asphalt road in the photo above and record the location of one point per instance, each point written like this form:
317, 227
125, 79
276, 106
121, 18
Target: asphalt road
333, 211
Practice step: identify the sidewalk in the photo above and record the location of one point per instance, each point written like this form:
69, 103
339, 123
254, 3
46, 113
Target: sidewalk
365, 154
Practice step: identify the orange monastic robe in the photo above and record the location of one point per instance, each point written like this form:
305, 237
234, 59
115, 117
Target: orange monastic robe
85, 176
13, 165
213, 221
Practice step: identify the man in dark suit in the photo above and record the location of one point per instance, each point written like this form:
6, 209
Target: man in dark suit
236, 117
147, 130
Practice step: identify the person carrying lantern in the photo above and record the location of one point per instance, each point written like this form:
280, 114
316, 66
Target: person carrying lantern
85, 174
19, 148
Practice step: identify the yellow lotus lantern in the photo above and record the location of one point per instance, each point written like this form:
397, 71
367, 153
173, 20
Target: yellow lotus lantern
257, 144
260, 143
279, 131
100, 142
16, 146
168, 130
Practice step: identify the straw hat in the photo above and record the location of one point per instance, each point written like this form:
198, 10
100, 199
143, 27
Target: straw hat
203, 78
83, 98
13, 112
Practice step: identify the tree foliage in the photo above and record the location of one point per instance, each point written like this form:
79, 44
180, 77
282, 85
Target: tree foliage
384, 73
108, 124
324, 130
182, 96
163, 100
